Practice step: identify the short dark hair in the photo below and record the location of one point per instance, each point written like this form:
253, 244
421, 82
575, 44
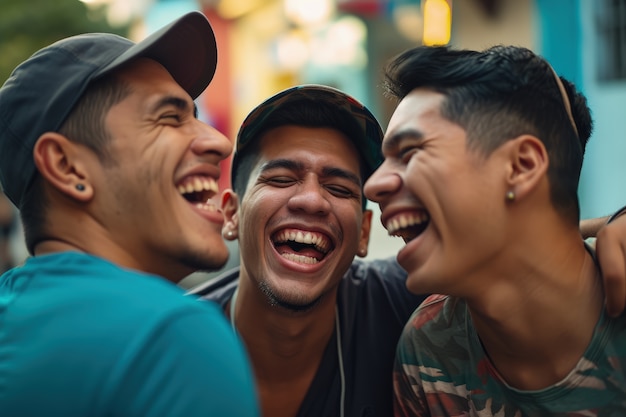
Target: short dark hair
302, 112
85, 125
501, 93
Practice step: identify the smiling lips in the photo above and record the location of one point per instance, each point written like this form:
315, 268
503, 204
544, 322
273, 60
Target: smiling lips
407, 225
199, 190
301, 246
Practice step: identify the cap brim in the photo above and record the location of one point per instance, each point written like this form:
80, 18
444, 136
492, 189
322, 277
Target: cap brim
186, 48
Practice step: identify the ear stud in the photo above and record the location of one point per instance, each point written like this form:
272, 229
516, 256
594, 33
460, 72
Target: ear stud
510, 195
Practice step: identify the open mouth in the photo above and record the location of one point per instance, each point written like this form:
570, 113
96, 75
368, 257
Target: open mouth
301, 246
408, 226
198, 190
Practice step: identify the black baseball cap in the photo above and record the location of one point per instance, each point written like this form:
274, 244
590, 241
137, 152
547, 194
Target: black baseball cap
42, 91
368, 142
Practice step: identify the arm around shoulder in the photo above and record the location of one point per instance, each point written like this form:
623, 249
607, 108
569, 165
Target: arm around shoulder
611, 253
591, 227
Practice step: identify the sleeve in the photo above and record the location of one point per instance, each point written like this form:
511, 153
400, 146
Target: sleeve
409, 398
191, 365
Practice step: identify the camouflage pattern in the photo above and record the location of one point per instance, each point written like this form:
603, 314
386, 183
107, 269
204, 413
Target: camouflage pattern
441, 370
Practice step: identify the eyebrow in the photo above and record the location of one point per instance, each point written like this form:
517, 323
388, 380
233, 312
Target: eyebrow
298, 166
393, 141
178, 102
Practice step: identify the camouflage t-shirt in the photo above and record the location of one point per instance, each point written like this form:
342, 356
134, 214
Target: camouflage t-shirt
441, 370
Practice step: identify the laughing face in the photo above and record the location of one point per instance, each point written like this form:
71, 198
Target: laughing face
155, 194
300, 222
444, 199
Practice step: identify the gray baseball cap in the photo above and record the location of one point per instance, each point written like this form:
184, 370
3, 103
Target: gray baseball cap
42, 91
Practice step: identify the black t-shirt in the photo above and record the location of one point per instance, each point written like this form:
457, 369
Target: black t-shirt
374, 305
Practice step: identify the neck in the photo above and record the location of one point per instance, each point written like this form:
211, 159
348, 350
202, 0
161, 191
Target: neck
285, 347
524, 321
54, 245
277, 336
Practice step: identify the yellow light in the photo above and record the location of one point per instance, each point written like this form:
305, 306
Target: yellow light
437, 22
234, 9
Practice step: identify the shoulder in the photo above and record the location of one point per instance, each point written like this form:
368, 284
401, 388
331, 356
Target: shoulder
219, 289
438, 325
386, 269
381, 279
437, 319
435, 308
200, 362
135, 327
379, 273
120, 299
377, 290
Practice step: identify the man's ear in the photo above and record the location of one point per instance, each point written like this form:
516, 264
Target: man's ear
229, 206
528, 164
61, 164
364, 239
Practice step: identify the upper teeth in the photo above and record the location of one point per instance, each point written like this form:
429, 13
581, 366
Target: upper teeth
405, 220
309, 238
198, 184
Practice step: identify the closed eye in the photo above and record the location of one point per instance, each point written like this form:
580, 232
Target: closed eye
403, 144
405, 153
175, 117
339, 191
173, 109
279, 181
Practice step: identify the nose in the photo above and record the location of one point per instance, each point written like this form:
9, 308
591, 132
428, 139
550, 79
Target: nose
210, 141
310, 197
383, 183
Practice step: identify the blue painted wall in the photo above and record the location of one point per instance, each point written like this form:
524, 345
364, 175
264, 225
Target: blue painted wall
569, 42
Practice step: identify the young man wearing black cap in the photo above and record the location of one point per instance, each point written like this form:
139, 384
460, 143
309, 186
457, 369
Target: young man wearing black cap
113, 174
320, 326
315, 323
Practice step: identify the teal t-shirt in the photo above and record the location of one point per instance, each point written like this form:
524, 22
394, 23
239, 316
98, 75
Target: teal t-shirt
80, 336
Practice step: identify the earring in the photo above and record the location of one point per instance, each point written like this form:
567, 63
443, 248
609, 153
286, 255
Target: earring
229, 234
80, 187
510, 195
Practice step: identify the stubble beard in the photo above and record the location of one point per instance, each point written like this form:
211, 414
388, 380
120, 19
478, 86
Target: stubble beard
295, 306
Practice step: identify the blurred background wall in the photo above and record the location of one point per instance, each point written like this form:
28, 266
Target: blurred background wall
268, 45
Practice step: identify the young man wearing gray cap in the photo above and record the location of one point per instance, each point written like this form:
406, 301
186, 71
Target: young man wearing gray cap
320, 326
114, 175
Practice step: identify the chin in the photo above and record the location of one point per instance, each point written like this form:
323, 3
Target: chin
289, 300
207, 261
